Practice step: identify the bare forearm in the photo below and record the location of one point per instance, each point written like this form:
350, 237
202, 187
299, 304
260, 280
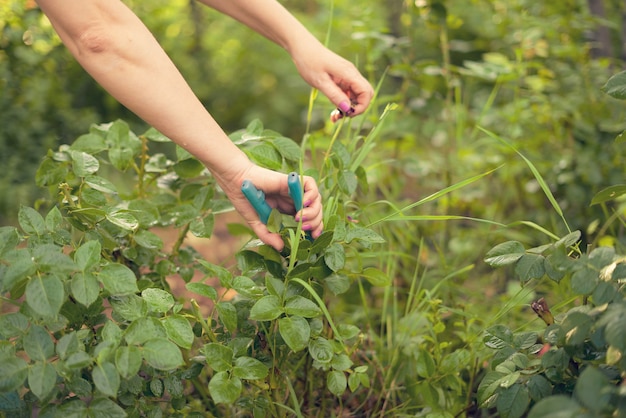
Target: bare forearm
114, 46
268, 18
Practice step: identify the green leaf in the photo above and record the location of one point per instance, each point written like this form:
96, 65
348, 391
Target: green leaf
13, 373
88, 255
249, 368
341, 362
179, 330
45, 295
31, 221
21, 265
347, 182
162, 354
301, 306
336, 382
106, 379
100, 184
121, 157
67, 344
584, 281
128, 361
266, 309
188, 168
149, 240
118, 279
506, 253
85, 288
227, 313
321, 350
513, 401
84, 164
366, 235
247, 287
50, 173
616, 86
104, 408
144, 329
335, 257
158, 300
559, 406
38, 343
122, 218
593, 390
219, 357
203, 227
539, 387
530, 266
296, 332
337, 283
13, 324
129, 307
376, 277
224, 388
610, 193
498, 336
488, 386
575, 328
154, 135
90, 143
202, 289
266, 156
9, 238
425, 365
287, 148
41, 379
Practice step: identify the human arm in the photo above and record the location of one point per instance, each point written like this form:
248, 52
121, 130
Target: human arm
333, 75
121, 54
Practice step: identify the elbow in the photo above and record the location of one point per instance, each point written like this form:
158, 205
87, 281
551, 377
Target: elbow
93, 40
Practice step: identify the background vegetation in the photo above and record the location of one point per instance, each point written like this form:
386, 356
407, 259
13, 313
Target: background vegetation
499, 132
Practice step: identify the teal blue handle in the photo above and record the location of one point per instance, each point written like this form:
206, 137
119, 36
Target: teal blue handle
256, 198
295, 190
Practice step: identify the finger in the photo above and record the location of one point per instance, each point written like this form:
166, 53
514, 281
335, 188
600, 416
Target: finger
272, 239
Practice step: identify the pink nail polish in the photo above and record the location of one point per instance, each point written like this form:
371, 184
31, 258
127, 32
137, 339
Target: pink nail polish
344, 107
306, 227
307, 204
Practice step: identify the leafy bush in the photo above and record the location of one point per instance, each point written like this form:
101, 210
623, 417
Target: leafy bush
577, 365
96, 330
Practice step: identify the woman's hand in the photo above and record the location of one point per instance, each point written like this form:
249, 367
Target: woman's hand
334, 76
275, 187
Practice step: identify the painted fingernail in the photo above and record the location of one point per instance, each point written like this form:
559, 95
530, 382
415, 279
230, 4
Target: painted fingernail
307, 204
345, 107
306, 227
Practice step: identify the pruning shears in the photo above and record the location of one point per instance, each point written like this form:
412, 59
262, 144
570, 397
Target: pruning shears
256, 197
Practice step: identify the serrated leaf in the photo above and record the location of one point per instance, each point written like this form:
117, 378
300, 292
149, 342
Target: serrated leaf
128, 361
84, 164
31, 221
296, 332
88, 255
584, 281
530, 266
158, 300
118, 279
162, 354
335, 257
106, 379
100, 184
45, 295
266, 309
249, 368
38, 343
266, 156
376, 277
287, 148
513, 401
505, 253
539, 387
104, 408
219, 357
366, 235
336, 382
179, 330
616, 86
13, 374
122, 218
227, 313
148, 240
321, 350
41, 379
202, 289
559, 406
224, 388
144, 329
347, 182
301, 306
488, 386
